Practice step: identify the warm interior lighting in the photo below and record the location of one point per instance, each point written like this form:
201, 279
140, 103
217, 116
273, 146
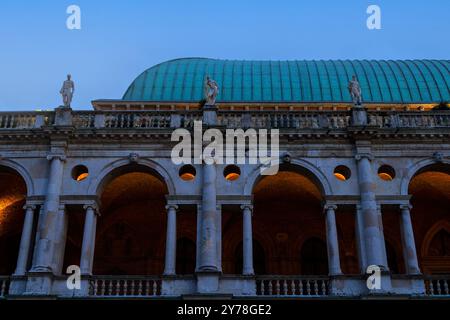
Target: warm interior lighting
231, 173
187, 176
79, 173
232, 176
340, 176
82, 176
342, 173
386, 173
385, 176
187, 172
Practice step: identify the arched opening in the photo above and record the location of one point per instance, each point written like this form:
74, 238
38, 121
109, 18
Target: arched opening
288, 205
259, 258
131, 229
440, 244
13, 193
185, 256
430, 199
313, 257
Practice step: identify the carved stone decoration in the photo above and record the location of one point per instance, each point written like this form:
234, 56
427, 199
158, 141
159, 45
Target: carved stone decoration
134, 157
286, 158
355, 91
211, 91
438, 157
67, 91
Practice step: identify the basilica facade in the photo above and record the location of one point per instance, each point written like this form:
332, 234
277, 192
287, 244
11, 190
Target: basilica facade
361, 196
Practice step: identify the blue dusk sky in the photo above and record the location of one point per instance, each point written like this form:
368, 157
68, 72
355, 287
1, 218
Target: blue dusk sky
120, 39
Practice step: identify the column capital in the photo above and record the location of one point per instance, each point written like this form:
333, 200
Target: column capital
172, 206
364, 155
61, 157
405, 206
247, 206
29, 206
327, 207
62, 208
94, 208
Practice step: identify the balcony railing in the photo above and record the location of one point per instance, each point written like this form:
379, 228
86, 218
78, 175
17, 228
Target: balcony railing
309, 286
25, 120
152, 119
437, 285
284, 119
4, 286
124, 286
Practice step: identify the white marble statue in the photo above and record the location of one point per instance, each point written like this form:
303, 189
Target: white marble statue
211, 91
355, 91
67, 90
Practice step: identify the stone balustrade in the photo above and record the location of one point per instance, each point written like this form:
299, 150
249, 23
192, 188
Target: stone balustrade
124, 286
408, 119
437, 285
284, 119
4, 286
292, 286
25, 120
325, 120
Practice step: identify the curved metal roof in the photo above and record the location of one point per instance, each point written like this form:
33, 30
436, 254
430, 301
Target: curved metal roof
382, 81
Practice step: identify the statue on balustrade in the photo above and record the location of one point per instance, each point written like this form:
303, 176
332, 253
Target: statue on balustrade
355, 91
211, 91
67, 91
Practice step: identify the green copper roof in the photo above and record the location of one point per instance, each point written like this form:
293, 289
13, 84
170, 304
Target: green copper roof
391, 81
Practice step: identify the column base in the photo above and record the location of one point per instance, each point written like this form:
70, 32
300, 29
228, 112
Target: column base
84, 287
337, 285
207, 269
207, 282
17, 285
385, 285
39, 283
215, 296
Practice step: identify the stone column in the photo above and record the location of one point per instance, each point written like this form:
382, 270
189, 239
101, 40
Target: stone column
247, 240
45, 244
59, 240
40, 221
360, 244
198, 237
25, 241
171, 240
409, 246
383, 241
334, 263
219, 237
88, 246
375, 249
208, 241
